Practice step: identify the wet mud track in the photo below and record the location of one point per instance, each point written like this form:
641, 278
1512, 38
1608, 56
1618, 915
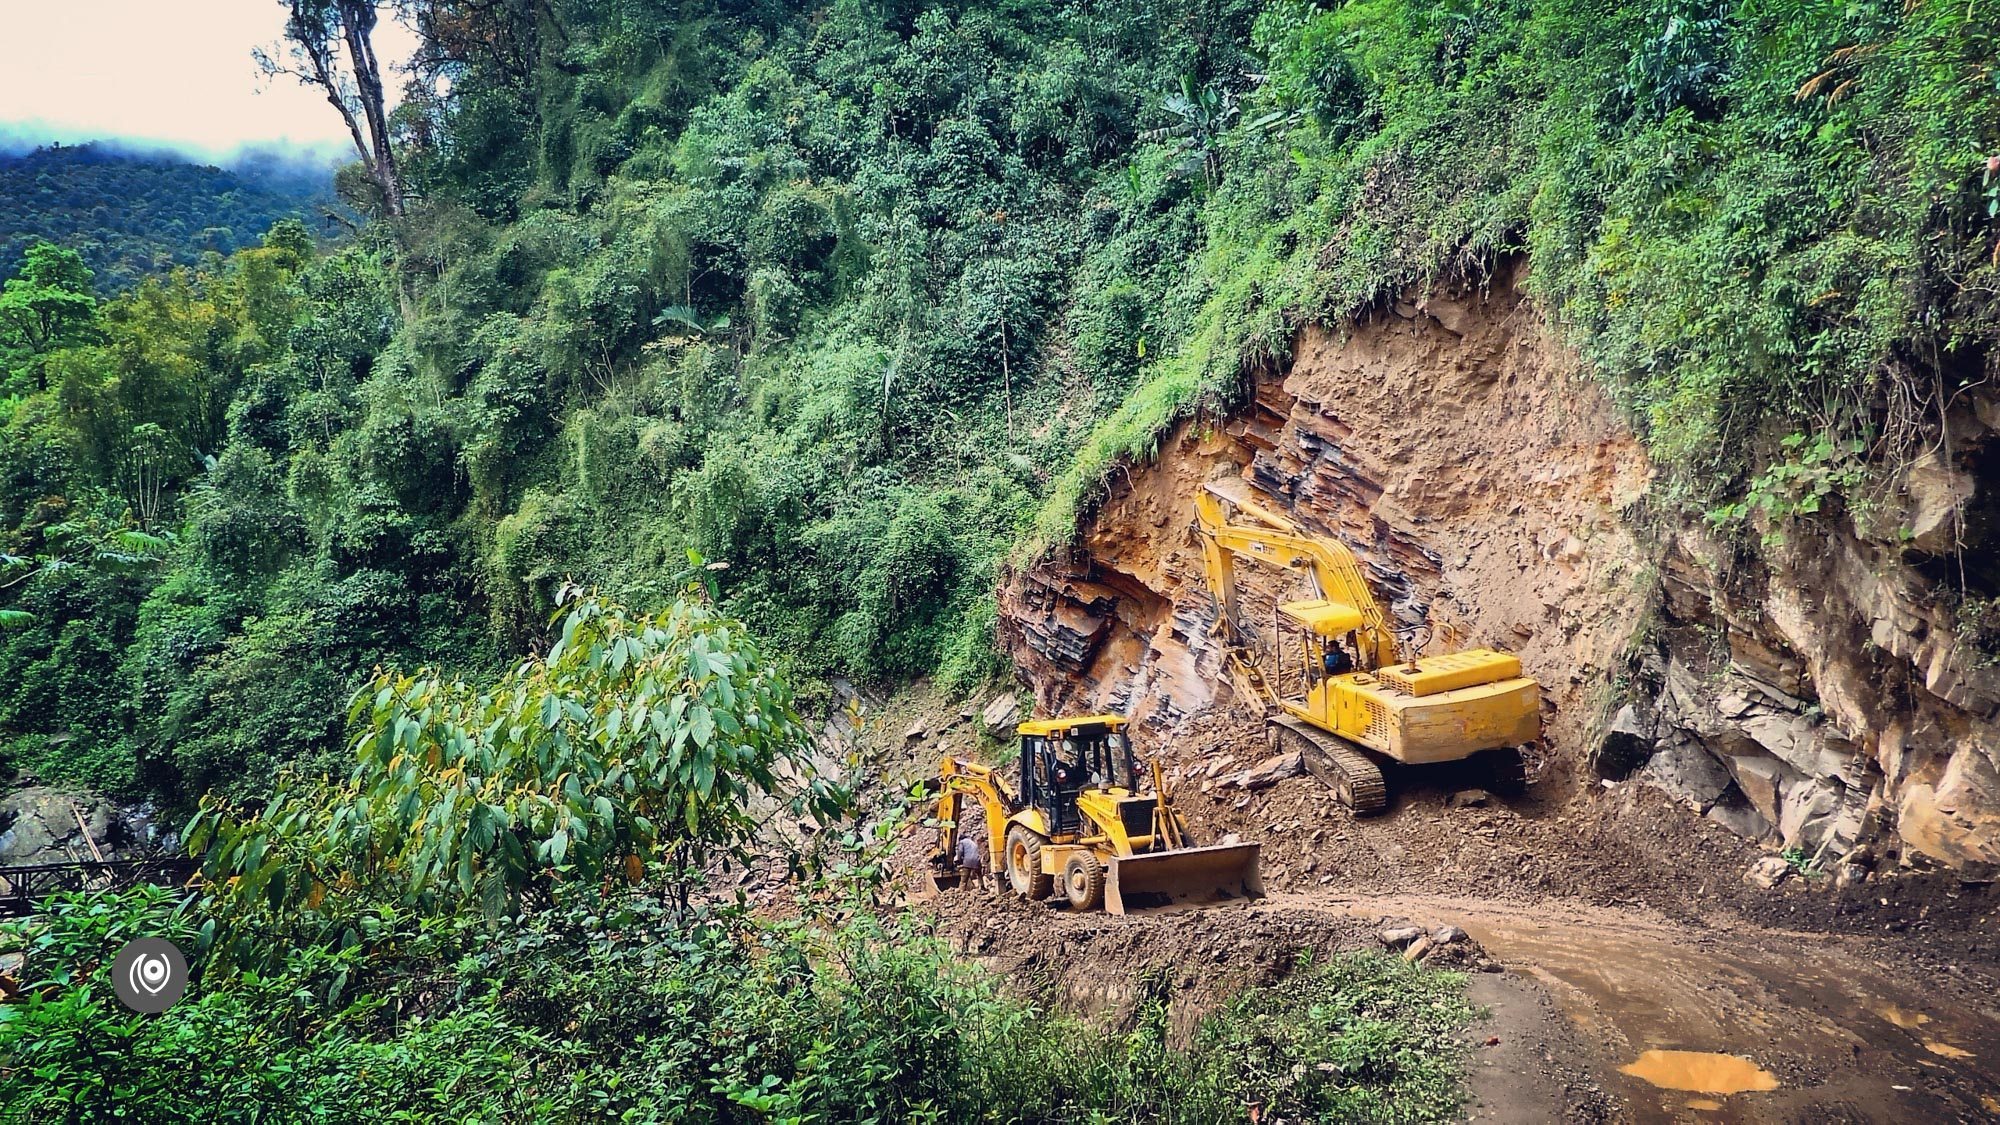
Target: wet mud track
1734, 1023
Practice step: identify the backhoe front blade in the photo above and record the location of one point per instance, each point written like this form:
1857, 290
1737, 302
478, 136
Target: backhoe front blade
1190, 875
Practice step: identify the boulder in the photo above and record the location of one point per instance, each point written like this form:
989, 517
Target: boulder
916, 731
1627, 741
1471, 798
1396, 937
1733, 705
1447, 935
1270, 771
1001, 710
1761, 780
1740, 818
1767, 872
1455, 317
1684, 770
1937, 489
38, 825
1811, 810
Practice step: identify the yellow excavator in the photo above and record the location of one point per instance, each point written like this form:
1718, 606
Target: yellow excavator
1343, 693
1079, 823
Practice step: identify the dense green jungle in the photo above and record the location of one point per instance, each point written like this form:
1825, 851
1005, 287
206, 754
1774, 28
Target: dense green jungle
136, 214
469, 577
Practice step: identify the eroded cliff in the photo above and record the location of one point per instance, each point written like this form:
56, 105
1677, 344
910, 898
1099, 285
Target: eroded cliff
1806, 689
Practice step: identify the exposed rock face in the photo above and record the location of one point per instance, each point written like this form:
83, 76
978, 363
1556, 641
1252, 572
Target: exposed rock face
1826, 675
39, 825
1476, 475
1811, 692
1000, 711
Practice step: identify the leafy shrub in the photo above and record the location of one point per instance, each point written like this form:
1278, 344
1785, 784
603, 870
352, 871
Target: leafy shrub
1682, 60
618, 1009
633, 743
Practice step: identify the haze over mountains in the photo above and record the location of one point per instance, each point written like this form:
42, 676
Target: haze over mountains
137, 208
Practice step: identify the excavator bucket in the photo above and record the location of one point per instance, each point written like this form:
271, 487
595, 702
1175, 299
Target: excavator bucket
1190, 875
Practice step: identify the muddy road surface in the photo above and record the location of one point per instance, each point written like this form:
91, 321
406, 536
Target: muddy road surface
1734, 1022
1631, 969
1593, 1013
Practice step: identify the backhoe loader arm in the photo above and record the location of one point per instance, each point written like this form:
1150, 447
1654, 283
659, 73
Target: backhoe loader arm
958, 779
1335, 572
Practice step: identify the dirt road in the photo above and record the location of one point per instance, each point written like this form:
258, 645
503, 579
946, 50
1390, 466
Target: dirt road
1601, 1014
1646, 979
1833, 1031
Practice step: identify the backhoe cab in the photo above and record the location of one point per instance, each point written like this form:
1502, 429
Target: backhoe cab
1079, 824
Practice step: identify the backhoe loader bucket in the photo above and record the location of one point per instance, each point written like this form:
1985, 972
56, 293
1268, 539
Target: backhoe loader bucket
931, 881
1189, 875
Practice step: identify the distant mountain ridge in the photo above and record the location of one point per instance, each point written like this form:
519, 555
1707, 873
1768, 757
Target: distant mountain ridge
132, 213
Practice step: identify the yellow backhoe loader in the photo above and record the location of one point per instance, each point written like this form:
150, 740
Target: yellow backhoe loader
1080, 824
1342, 692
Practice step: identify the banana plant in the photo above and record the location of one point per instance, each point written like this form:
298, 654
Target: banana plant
1201, 114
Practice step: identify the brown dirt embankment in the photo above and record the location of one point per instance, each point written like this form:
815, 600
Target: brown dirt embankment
1476, 474
1802, 687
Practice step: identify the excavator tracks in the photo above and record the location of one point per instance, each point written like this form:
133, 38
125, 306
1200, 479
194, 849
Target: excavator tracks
1351, 774
1506, 771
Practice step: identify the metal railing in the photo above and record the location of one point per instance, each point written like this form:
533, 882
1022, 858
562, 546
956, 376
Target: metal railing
24, 886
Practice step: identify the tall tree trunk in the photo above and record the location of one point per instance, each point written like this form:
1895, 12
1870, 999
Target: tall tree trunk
357, 21
317, 30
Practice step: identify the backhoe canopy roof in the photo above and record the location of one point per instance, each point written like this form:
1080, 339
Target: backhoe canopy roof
1328, 619
1048, 727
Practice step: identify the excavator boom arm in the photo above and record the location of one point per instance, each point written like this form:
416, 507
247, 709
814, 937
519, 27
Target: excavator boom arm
1335, 572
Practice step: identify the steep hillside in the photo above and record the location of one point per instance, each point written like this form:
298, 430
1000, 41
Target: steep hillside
859, 303
1803, 690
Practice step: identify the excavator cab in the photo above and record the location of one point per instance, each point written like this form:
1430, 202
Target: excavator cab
1327, 629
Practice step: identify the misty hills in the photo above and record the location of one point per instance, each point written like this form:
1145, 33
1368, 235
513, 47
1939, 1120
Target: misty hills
133, 213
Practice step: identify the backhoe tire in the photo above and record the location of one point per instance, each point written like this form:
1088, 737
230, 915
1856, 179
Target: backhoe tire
1024, 864
1083, 881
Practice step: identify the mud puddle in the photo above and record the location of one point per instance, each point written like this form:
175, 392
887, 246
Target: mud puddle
1736, 1023
1702, 1072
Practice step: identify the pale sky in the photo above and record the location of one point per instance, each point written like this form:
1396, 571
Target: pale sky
171, 71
